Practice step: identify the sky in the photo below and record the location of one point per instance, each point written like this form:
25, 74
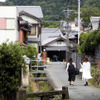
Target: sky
2, 0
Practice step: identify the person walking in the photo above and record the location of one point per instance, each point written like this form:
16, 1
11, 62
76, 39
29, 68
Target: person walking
86, 71
71, 71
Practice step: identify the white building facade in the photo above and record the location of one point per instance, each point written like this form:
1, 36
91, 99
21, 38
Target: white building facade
8, 24
95, 21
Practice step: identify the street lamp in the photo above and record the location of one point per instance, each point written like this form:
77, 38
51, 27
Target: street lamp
65, 28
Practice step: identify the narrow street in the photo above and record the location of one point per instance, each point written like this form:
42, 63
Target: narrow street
58, 78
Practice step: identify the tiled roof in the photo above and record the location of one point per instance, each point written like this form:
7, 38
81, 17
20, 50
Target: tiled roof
49, 40
27, 14
33, 10
50, 34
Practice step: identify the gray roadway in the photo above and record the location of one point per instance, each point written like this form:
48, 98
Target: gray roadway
59, 78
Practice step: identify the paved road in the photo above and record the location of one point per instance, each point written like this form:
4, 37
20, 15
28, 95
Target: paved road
59, 78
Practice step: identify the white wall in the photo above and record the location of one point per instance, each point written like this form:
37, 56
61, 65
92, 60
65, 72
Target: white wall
95, 22
30, 20
73, 27
8, 34
9, 13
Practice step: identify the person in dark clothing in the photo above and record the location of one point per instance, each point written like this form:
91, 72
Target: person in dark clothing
71, 71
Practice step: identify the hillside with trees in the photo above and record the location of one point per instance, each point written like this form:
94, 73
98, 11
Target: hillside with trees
52, 9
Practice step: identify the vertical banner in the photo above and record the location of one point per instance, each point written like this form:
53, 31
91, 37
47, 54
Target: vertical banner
44, 56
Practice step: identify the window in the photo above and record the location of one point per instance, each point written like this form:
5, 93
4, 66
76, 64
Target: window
2, 23
33, 30
59, 42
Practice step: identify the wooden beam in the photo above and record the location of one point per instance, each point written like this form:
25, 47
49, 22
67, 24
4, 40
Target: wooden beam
40, 94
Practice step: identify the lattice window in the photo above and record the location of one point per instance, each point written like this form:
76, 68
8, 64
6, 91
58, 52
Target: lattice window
33, 30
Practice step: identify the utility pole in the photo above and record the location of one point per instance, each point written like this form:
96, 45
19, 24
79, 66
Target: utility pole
66, 28
78, 20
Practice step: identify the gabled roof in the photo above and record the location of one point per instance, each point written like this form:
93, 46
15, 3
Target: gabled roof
49, 35
33, 10
27, 14
50, 40
49, 32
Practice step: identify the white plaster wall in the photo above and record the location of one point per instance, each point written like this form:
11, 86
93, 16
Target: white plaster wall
57, 44
12, 35
31, 20
10, 24
73, 27
7, 11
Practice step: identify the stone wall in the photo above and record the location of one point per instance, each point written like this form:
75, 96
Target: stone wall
25, 77
97, 56
77, 58
94, 60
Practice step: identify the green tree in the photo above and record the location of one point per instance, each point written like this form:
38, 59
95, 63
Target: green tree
52, 9
83, 37
93, 3
90, 43
30, 51
89, 11
11, 58
51, 24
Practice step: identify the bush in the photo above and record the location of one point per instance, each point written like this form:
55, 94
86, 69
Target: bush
11, 58
95, 81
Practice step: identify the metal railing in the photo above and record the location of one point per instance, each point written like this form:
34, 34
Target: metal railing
37, 68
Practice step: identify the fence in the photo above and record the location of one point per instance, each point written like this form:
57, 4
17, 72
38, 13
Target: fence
95, 60
44, 95
37, 68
